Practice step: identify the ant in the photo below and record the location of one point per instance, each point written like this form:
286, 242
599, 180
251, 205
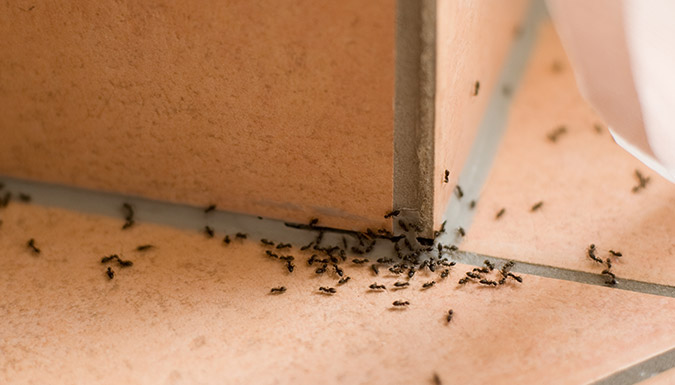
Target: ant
537, 206
375, 286
448, 318
129, 217
110, 272
555, 134
516, 277
338, 270
343, 280
390, 214
642, 181
241, 236
428, 284
210, 208
227, 240
32, 246
476, 87
209, 231
266, 242
500, 213
459, 192
278, 290
144, 247
591, 254
328, 290
401, 284
446, 178
400, 303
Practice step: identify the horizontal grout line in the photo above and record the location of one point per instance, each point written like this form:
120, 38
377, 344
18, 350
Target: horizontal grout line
545, 271
642, 370
193, 218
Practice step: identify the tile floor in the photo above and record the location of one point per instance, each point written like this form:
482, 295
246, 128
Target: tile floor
193, 310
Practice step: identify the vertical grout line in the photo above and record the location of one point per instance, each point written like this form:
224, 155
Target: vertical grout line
414, 102
493, 125
426, 149
406, 172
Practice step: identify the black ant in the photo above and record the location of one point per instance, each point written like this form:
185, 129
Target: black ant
375, 286
210, 208
537, 206
32, 246
428, 284
328, 290
591, 254
459, 192
390, 214
144, 247
278, 290
400, 303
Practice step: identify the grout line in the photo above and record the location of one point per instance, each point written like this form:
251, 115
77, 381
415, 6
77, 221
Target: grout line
474, 259
484, 150
642, 370
407, 104
193, 218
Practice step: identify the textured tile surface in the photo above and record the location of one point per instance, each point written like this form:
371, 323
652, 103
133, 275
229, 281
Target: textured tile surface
195, 311
224, 102
584, 179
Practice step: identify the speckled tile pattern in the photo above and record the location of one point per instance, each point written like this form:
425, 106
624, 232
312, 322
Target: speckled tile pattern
583, 178
195, 311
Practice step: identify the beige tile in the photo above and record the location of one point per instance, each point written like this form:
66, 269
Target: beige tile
584, 180
665, 378
194, 311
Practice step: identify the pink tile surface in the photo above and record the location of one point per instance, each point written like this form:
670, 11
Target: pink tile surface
584, 180
194, 311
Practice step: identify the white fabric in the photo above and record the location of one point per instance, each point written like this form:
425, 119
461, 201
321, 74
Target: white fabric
623, 55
